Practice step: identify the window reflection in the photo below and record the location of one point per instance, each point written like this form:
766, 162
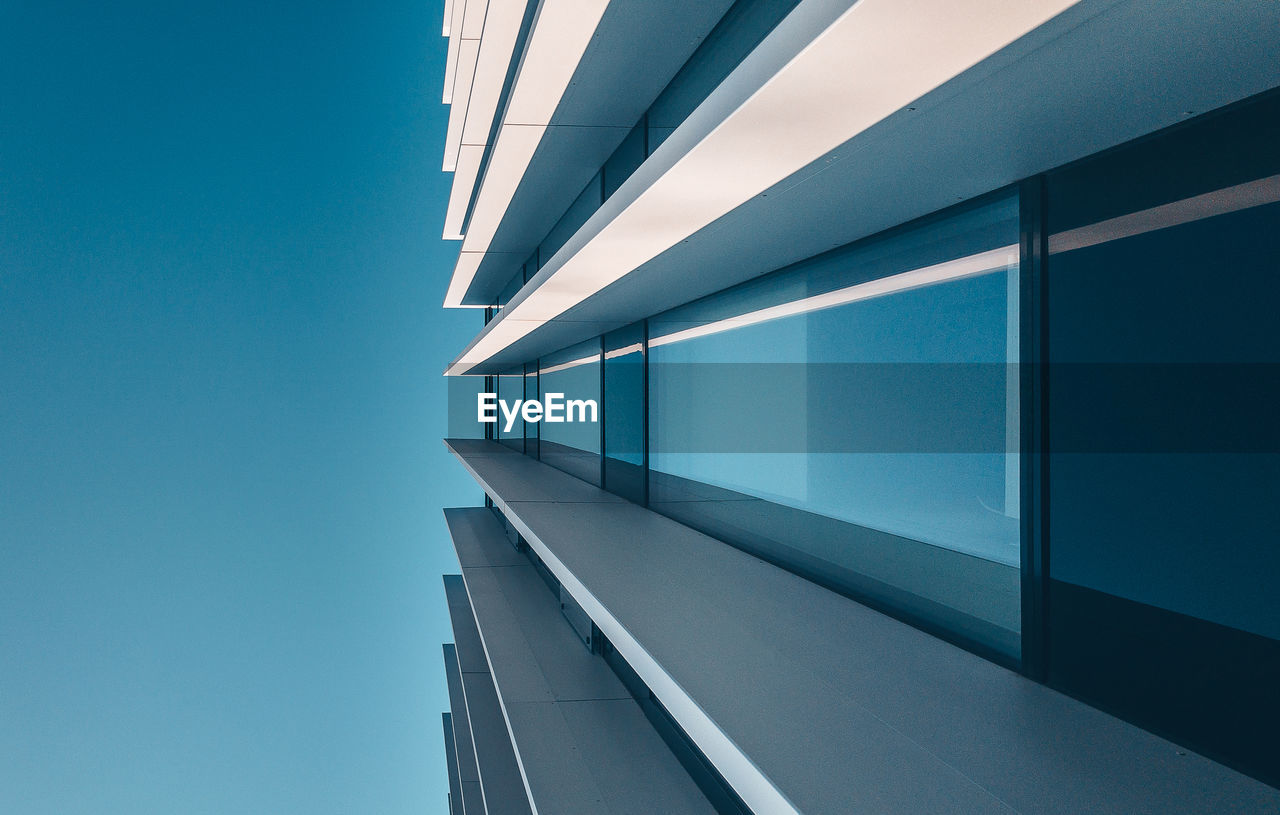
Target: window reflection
532, 430
510, 389
624, 412
854, 418
573, 446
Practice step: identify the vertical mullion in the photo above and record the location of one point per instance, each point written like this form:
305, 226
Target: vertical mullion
489, 388
1033, 444
644, 424
603, 402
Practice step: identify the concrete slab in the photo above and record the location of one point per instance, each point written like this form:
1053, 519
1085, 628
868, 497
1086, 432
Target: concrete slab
582, 742
833, 706
500, 782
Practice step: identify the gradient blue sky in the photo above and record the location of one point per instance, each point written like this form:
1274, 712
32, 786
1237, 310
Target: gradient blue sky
220, 408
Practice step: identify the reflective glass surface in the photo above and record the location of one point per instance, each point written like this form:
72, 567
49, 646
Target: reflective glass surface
512, 287
1164, 476
849, 418
510, 389
624, 412
462, 394
573, 446
532, 430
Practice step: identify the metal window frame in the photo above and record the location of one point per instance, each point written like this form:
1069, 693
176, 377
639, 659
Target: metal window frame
1033, 375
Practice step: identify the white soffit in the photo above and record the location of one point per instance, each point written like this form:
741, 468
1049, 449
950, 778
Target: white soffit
510, 158
464, 75
560, 36
497, 47
877, 57
454, 34
495, 50
468, 167
467, 51
468, 263
555, 46
448, 17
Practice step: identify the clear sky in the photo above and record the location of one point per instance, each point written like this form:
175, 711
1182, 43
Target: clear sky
220, 407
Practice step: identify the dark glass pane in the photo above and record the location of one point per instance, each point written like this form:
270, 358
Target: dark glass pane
582, 208
849, 418
624, 412
573, 445
511, 289
740, 30
624, 161
1164, 473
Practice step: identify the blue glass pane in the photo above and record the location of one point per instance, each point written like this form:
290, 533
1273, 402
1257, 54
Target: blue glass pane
511, 389
512, 288
1164, 465
462, 394
531, 429
851, 418
624, 412
573, 446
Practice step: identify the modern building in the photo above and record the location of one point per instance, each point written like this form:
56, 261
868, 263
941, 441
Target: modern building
936, 348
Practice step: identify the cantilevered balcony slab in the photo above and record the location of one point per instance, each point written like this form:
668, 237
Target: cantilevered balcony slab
587, 73
808, 702
583, 744
502, 789
470, 800
849, 119
451, 762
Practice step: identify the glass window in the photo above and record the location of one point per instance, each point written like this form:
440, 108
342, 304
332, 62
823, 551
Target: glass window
855, 419
624, 161
1164, 466
743, 27
511, 389
463, 392
531, 429
624, 412
512, 288
582, 208
573, 446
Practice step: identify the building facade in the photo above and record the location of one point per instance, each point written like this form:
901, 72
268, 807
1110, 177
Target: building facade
935, 349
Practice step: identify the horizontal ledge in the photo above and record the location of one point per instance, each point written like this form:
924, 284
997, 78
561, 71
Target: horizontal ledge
580, 738
576, 94
828, 72
807, 701
500, 780
961, 140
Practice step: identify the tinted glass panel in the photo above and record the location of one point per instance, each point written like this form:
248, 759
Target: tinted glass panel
625, 160
624, 412
531, 429
573, 446
1164, 473
743, 27
587, 202
510, 389
849, 419
463, 392
512, 288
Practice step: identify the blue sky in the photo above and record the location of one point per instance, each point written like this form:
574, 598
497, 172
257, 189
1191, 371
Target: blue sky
220, 408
